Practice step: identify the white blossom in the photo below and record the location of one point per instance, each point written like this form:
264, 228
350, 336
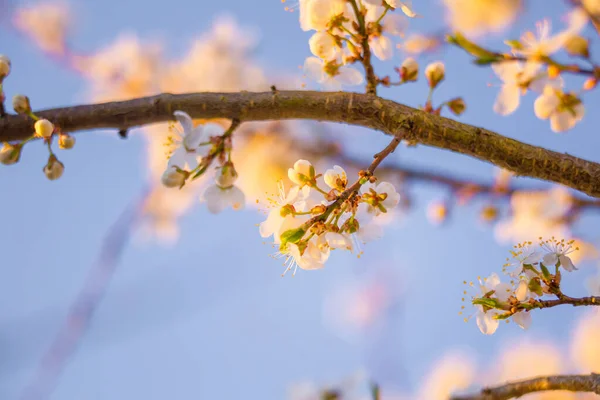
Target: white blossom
557, 251
218, 199
563, 110
332, 75
516, 78
185, 152
336, 178
323, 45
317, 14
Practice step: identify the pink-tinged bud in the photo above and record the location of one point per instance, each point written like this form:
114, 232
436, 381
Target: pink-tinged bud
21, 104
227, 177
173, 177
66, 141
4, 66
54, 168
409, 70
435, 73
457, 106
10, 154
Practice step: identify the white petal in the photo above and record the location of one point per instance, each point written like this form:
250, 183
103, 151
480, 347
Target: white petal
550, 259
492, 281
503, 291
523, 319
313, 68
271, 224
545, 105
382, 47
235, 197
191, 160
532, 258
507, 71
338, 241
566, 263
213, 196
486, 323
185, 120
395, 24
349, 76
562, 121
522, 291
323, 45
178, 158
508, 99
211, 129
369, 232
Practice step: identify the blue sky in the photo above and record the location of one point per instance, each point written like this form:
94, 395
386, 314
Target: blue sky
211, 316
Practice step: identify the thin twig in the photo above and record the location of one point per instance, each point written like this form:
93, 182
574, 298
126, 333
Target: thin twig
372, 80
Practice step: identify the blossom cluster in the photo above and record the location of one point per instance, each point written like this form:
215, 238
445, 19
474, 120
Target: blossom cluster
190, 152
10, 153
343, 31
308, 221
529, 66
535, 271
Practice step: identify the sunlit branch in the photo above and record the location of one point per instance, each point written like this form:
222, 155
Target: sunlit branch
351, 108
572, 383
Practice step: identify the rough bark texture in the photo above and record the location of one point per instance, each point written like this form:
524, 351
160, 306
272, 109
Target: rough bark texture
572, 383
350, 108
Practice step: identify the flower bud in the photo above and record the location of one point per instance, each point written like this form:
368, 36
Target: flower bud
4, 66
318, 209
43, 128
66, 141
173, 177
21, 104
435, 73
590, 83
10, 154
227, 177
437, 212
302, 172
54, 168
457, 106
577, 46
553, 71
409, 70
489, 213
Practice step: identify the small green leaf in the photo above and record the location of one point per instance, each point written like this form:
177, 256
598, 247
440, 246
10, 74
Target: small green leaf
535, 287
515, 44
292, 236
545, 272
487, 302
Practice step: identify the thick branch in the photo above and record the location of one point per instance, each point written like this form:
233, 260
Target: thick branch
572, 383
351, 108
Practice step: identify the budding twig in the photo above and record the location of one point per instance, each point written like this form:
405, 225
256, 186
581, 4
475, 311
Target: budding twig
572, 383
372, 80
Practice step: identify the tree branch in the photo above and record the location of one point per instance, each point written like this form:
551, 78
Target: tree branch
351, 108
572, 383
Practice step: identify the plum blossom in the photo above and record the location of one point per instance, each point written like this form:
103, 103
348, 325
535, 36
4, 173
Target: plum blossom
278, 219
331, 74
336, 178
542, 44
517, 78
557, 251
523, 254
184, 146
563, 109
218, 198
312, 258
393, 24
405, 6
486, 322
317, 14
323, 45
380, 197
